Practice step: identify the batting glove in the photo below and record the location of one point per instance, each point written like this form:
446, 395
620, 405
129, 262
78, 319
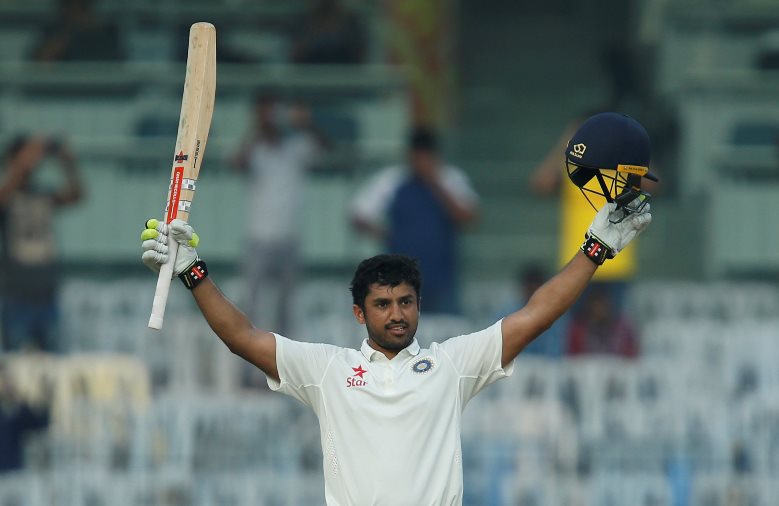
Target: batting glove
155, 245
607, 235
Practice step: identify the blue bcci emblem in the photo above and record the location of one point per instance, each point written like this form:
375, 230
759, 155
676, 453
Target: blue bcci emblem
422, 366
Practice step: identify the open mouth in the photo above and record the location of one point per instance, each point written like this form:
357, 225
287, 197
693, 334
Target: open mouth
398, 329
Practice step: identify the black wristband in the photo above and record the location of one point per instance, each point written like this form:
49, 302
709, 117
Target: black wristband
596, 250
194, 275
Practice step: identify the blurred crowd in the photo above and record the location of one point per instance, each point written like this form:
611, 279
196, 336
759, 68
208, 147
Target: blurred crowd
325, 33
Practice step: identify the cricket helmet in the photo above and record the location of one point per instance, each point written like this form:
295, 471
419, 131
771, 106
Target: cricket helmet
607, 158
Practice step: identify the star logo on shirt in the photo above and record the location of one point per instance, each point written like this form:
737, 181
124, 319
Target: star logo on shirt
357, 379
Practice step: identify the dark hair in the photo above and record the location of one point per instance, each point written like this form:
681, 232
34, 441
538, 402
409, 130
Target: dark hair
386, 270
423, 139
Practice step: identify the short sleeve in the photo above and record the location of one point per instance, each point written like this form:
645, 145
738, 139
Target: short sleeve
477, 359
371, 201
458, 184
301, 366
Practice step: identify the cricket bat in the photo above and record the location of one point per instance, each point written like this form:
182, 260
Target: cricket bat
197, 107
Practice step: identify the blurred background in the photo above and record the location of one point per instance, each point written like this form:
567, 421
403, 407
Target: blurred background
659, 388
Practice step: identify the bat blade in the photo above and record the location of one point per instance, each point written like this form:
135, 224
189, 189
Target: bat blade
197, 107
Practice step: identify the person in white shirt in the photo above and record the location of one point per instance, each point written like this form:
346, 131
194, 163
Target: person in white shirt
390, 412
282, 146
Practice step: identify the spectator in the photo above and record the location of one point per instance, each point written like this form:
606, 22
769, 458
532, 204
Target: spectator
599, 328
417, 210
552, 342
28, 253
17, 419
331, 34
276, 154
79, 35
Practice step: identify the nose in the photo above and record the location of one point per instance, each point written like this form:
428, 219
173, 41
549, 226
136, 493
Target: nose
396, 313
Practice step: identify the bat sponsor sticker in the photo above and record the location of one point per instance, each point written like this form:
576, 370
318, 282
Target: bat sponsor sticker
175, 193
197, 152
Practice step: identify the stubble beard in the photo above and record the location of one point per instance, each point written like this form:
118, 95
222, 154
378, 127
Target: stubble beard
391, 345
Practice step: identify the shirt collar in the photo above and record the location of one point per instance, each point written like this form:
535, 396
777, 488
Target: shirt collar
371, 354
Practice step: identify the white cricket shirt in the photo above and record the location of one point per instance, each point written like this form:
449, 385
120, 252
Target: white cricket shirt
390, 429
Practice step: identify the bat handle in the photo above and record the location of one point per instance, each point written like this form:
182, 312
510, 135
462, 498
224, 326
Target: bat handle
163, 287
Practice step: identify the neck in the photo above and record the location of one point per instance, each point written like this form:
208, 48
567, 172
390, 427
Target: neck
390, 354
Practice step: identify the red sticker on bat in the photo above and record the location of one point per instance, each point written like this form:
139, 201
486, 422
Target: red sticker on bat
175, 193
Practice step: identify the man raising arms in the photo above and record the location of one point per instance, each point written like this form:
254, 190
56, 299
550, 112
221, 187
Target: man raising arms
390, 412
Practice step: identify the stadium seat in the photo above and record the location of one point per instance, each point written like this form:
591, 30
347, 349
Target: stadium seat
755, 133
22, 488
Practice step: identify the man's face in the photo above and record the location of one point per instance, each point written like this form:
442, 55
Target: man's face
391, 316
423, 162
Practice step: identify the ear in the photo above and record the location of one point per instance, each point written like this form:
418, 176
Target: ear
359, 315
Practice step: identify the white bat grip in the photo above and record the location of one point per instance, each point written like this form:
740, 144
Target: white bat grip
163, 287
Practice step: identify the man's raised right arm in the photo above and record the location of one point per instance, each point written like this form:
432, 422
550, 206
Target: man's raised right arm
232, 326
235, 330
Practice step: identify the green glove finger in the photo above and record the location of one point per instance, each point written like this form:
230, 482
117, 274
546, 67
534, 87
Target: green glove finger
149, 233
194, 241
152, 224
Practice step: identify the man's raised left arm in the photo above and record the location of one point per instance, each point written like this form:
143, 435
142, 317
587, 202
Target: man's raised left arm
604, 239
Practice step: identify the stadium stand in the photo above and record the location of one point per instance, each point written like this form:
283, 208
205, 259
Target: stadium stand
699, 393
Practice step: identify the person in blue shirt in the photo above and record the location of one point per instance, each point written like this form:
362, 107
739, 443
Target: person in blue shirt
418, 209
